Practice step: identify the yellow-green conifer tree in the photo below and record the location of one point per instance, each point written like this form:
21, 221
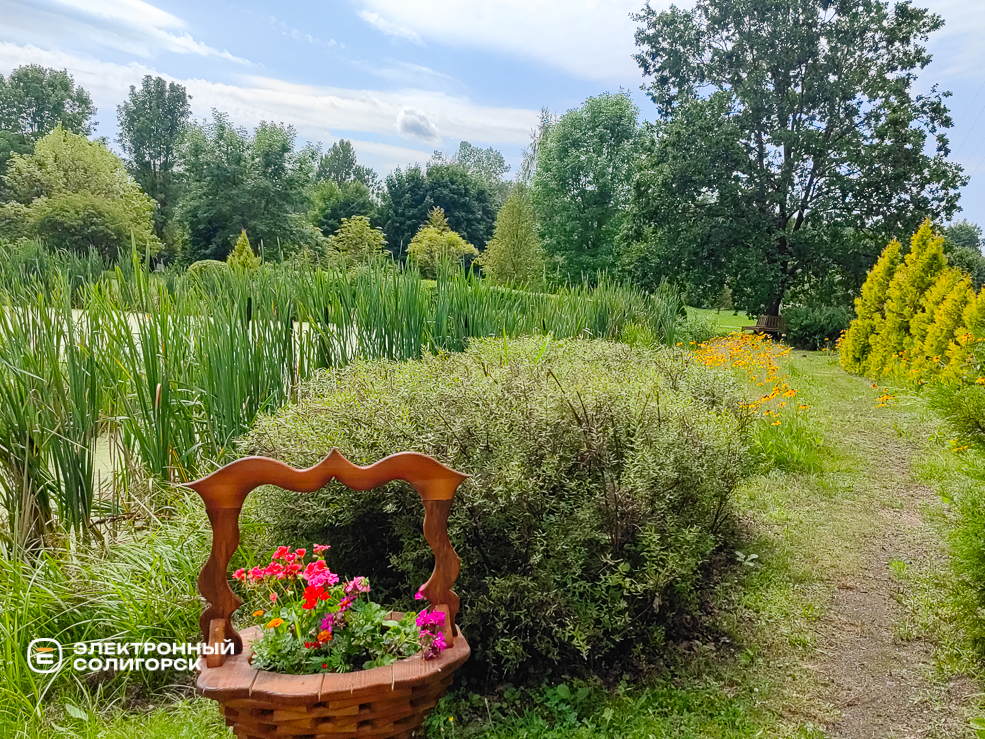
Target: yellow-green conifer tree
963, 363
869, 309
930, 355
919, 271
242, 256
932, 300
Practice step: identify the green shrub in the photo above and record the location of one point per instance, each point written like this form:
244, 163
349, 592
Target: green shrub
81, 221
963, 411
205, 268
599, 484
356, 243
815, 326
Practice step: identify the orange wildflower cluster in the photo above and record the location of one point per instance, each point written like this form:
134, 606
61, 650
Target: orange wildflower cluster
956, 446
885, 399
759, 358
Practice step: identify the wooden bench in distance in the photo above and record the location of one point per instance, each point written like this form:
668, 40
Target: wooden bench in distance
772, 325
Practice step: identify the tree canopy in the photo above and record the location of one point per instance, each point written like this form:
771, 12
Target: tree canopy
237, 181
356, 243
436, 243
332, 203
585, 163
487, 166
152, 122
339, 165
33, 101
791, 143
410, 194
76, 194
514, 254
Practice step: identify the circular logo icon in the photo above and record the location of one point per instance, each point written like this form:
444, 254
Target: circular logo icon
44, 655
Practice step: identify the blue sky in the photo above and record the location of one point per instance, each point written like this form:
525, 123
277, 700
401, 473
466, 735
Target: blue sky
404, 77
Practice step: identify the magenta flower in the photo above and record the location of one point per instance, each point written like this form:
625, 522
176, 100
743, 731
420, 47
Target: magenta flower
318, 574
359, 585
430, 618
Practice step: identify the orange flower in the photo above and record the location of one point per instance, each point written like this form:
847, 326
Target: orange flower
274, 623
257, 614
324, 636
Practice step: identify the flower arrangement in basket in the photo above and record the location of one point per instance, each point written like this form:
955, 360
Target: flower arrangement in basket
317, 623
324, 660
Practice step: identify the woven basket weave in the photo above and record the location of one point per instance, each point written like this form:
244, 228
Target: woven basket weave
382, 702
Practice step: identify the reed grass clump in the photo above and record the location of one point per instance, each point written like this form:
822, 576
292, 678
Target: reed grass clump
169, 370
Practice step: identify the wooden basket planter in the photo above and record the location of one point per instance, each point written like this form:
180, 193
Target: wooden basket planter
388, 701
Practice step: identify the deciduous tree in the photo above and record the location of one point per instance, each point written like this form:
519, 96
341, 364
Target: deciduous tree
339, 165
514, 254
790, 138
35, 99
581, 186
75, 193
236, 181
332, 203
152, 122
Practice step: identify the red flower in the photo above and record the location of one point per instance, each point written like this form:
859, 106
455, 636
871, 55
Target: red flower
312, 595
280, 553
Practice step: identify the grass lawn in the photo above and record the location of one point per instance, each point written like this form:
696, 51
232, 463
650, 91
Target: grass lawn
724, 318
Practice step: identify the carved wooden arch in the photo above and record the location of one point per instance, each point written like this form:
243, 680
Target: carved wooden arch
225, 491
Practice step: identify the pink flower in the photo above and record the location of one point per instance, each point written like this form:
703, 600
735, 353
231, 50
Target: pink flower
439, 642
359, 585
300, 553
256, 574
239, 574
318, 574
418, 595
319, 548
280, 553
273, 597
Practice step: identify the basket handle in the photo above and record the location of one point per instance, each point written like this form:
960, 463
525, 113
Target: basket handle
225, 490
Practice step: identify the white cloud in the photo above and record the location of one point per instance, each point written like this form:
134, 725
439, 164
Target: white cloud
132, 26
390, 28
317, 112
415, 124
590, 39
412, 75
